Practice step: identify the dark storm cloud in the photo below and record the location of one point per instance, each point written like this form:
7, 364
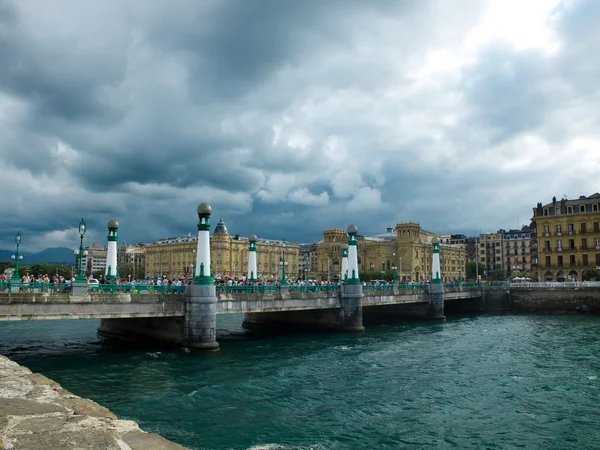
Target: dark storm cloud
289, 117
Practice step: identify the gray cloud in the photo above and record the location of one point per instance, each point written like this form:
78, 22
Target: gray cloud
291, 117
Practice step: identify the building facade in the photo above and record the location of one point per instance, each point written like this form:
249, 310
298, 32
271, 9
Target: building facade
174, 257
405, 249
490, 253
566, 238
94, 261
131, 261
516, 246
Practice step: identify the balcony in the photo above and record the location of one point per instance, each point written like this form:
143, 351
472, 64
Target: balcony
558, 233
584, 248
559, 249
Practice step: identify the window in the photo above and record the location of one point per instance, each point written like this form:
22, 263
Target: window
546, 230
558, 230
584, 244
570, 227
585, 260
571, 244
560, 261
548, 261
545, 211
569, 210
572, 260
595, 207
597, 259
546, 246
582, 208
596, 227
597, 242
559, 245
583, 228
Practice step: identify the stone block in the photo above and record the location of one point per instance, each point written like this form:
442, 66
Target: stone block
138, 440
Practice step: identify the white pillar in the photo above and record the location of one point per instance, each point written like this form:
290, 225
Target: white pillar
111, 272
344, 273
352, 256
252, 273
202, 271
436, 271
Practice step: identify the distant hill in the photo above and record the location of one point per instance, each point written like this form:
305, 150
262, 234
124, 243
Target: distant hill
62, 255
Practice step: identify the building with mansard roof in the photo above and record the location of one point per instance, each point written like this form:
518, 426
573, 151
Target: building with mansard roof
174, 257
565, 242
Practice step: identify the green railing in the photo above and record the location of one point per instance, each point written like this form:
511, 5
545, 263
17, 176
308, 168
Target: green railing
391, 287
463, 285
36, 287
247, 289
315, 288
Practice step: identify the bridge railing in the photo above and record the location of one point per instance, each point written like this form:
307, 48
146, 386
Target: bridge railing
247, 289
56, 288
391, 287
556, 284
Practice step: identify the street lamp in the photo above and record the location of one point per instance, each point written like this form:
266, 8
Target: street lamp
283, 264
394, 268
382, 271
306, 274
80, 278
17, 257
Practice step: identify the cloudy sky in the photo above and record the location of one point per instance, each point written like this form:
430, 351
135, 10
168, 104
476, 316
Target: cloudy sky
292, 116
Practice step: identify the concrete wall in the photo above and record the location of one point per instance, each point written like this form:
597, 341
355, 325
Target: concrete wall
146, 330
29, 306
266, 302
556, 301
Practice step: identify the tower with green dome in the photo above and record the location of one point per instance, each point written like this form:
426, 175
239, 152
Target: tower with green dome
111, 271
201, 296
436, 288
252, 273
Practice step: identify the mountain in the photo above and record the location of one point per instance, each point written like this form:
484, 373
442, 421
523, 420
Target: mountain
50, 255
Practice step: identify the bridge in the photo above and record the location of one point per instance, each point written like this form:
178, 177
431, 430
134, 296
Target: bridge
159, 312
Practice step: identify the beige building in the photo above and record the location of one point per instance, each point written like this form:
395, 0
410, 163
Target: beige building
407, 247
131, 261
565, 242
490, 253
174, 257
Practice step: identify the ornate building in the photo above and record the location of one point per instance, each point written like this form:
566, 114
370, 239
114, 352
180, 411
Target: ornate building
406, 247
516, 250
174, 257
566, 238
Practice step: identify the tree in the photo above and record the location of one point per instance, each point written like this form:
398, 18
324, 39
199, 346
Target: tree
589, 275
471, 270
498, 275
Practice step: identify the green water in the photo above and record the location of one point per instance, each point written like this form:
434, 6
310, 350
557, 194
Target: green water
494, 382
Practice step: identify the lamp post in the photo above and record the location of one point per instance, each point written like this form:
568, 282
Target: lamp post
17, 257
193, 260
382, 271
305, 274
394, 268
283, 264
80, 278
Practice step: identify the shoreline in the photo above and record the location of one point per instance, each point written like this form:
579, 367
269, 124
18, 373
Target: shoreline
37, 413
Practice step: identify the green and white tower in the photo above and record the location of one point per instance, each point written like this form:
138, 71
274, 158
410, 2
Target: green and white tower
436, 271
202, 271
352, 256
344, 273
252, 273
111, 272
436, 288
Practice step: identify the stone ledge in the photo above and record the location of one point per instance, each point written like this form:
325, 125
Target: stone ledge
37, 413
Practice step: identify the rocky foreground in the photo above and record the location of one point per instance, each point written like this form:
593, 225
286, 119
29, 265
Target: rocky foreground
36, 413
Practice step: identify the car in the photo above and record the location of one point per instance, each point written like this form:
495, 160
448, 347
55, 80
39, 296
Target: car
93, 281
